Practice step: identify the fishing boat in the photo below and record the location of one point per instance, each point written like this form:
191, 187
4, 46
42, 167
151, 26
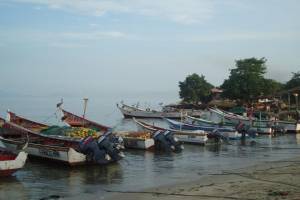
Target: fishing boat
24, 122
137, 140
255, 127
11, 162
285, 126
55, 147
190, 137
229, 133
132, 140
77, 121
131, 111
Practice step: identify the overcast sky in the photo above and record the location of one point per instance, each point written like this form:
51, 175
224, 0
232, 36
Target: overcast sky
95, 46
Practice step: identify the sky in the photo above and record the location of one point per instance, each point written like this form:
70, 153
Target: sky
85, 47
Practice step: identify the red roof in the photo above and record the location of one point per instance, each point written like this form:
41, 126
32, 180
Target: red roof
216, 90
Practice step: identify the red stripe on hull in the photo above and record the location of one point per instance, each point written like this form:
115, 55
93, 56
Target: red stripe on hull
7, 172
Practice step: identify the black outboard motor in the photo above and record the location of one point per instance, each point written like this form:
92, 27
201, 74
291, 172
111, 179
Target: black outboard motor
252, 133
102, 151
160, 140
176, 146
89, 147
166, 141
109, 143
216, 134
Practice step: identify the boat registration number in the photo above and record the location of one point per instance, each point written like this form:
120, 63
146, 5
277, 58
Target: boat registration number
49, 153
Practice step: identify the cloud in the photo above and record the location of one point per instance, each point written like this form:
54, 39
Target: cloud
66, 45
79, 35
96, 35
62, 39
180, 11
232, 36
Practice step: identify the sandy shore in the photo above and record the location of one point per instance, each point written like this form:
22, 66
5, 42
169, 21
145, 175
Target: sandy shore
269, 180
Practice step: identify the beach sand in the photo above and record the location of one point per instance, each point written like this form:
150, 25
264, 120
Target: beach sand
268, 180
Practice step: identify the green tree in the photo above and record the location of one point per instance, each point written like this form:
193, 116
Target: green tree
294, 82
271, 87
246, 81
195, 89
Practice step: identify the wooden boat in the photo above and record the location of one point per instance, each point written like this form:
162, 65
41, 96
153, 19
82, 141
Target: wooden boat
229, 133
191, 137
11, 162
131, 140
52, 147
65, 150
134, 140
26, 123
227, 117
256, 127
130, 111
77, 121
137, 140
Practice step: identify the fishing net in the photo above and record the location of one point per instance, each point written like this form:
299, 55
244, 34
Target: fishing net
70, 132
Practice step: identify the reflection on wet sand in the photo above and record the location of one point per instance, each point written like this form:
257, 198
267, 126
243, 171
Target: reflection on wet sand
298, 138
141, 169
12, 188
63, 181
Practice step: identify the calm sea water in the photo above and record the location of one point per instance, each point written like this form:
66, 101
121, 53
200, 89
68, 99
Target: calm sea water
140, 169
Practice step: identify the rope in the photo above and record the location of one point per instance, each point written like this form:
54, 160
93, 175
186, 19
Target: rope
52, 115
109, 114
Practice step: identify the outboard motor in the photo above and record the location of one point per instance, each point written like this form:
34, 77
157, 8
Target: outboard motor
89, 147
160, 140
252, 133
216, 134
166, 141
111, 146
176, 146
102, 151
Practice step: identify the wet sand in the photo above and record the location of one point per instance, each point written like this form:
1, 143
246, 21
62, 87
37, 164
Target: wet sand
268, 180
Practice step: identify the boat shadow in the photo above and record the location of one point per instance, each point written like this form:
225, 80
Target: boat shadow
83, 174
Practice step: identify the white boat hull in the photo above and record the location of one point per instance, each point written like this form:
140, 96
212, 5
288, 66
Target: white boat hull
9, 166
130, 112
63, 154
134, 143
192, 139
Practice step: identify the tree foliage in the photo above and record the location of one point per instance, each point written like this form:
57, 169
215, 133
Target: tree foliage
195, 89
246, 81
294, 82
271, 87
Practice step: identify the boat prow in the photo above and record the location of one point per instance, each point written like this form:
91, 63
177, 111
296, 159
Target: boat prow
10, 162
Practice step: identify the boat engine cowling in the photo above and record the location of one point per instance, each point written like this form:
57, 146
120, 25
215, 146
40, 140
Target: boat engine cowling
110, 144
251, 133
103, 150
89, 147
166, 141
217, 134
175, 144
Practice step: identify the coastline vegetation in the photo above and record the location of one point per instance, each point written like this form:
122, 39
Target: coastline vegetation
246, 83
